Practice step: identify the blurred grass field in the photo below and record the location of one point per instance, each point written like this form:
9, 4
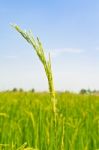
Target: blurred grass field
27, 122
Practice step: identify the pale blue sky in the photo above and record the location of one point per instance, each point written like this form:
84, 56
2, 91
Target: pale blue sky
69, 29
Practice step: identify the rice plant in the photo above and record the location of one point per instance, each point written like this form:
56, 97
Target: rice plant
30, 120
26, 121
37, 46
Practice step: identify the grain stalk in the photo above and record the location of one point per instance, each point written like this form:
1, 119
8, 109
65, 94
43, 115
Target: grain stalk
37, 46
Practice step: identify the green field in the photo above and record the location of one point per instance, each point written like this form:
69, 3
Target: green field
27, 122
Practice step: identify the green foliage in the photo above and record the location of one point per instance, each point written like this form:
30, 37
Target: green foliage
83, 91
14, 90
26, 122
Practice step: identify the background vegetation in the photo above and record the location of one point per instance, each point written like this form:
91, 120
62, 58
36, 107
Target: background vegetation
27, 122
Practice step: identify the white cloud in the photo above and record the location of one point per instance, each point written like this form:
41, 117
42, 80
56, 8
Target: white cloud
58, 52
97, 48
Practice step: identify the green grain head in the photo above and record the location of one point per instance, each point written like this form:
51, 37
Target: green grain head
37, 46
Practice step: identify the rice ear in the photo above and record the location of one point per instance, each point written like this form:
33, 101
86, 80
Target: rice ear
37, 45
